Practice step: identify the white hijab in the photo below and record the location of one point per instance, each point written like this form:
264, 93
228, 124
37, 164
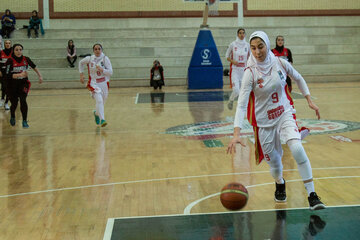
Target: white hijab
99, 58
265, 66
240, 42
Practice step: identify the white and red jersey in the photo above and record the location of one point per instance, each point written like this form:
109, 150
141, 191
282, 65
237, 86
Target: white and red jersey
96, 76
264, 97
239, 51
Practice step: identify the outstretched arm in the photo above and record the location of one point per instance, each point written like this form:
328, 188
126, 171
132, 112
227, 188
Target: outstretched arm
39, 75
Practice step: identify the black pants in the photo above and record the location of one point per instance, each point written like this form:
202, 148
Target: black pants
73, 60
157, 84
36, 29
4, 89
6, 31
18, 89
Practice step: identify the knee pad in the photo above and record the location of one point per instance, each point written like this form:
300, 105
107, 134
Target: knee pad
298, 151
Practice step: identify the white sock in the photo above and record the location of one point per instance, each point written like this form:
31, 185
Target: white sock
280, 181
309, 186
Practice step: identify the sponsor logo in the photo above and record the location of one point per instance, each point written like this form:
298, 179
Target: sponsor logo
205, 53
260, 81
281, 75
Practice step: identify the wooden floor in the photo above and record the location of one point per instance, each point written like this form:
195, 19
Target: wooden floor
64, 177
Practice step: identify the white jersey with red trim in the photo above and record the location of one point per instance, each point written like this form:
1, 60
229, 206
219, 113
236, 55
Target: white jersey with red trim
239, 52
264, 96
96, 76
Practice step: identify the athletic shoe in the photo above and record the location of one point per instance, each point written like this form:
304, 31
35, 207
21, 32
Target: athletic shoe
25, 124
230, 105
314, 202
97, 119
2, 102
103, 123
12, 121
280, 193
304, 131
6, 106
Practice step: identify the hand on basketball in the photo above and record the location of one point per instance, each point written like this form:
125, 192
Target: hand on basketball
232, 145
82, 78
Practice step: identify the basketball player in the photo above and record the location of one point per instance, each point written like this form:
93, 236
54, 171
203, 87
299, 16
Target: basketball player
100, 70
5, 54
18, 83
269, 111
237, 54
285, 53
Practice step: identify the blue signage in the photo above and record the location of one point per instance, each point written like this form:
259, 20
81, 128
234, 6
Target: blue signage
205, 69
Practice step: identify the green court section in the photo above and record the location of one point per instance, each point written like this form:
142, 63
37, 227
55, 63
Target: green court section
202, 96
331, 223
213, 143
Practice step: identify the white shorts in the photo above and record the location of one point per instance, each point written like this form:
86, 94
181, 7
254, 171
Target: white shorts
102, 88
270, 137
236, 77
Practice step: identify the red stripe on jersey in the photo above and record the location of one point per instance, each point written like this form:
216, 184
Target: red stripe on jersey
288, 95
231, 69
108, 85
27, 90
88, 86
282, 66
259, 155
251, 110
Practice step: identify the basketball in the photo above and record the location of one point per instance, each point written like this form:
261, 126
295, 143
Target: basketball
234, 196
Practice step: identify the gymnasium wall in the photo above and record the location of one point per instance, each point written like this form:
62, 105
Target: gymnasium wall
301, 7
179, 8
21, 8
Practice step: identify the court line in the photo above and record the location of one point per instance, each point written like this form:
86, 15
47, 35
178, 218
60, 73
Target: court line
109, 229
161, 179
229, 212
110, 223
188, 208
137, 98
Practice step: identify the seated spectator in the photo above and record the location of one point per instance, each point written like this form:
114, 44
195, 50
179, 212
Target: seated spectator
35, 23
8, 22
71, 53
157, 75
